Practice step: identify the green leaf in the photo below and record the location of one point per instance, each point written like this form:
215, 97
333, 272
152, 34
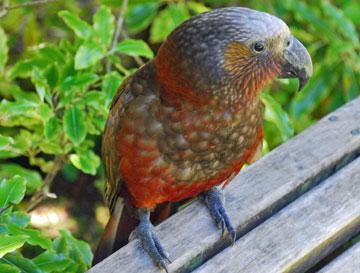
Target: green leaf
196, 7
69, 172
24, 264
351, 85
134, 47
14, 113
86, 161
52, 128
32, 178
20, 145
318, 88
104, 25
79, 81
3, 49
52, 75
311, 16
5, 142
41, 85
167, 20
52, 53
88, 54
49, 261
61, 245
11, 243
24, 68
274, 113
19, 218
110, 85
345, 26
94, 99
81, 28
12, 190
35, 237
74, 125
6, 268
139, 17
51, 147
78, 250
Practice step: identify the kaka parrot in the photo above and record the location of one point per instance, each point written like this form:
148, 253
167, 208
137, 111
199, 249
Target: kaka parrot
188, 120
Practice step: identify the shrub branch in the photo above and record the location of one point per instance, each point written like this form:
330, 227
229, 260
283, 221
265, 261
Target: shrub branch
6, 5
44, 192
119, 25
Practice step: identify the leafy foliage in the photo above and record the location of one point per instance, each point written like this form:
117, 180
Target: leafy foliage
61, 68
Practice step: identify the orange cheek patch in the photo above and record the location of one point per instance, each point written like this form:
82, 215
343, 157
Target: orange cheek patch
237, 57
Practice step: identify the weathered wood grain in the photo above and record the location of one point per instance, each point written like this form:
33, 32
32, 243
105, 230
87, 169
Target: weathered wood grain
301, 234
258, 192
348, 262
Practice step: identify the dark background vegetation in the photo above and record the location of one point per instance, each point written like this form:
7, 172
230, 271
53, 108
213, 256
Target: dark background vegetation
60, 64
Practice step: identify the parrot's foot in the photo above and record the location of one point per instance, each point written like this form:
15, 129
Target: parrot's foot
149, 241
213, 199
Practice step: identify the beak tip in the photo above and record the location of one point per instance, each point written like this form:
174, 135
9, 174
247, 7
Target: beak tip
302, 82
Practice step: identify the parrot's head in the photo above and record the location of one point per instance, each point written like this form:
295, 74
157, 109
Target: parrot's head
237, 48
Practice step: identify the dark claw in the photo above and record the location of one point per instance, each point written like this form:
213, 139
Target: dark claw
214, 201
149, 241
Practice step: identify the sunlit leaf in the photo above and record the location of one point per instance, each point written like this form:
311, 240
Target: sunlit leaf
87, 161
345, 26
74, 125
41, 85
50, 261
134, 47
19, 218
52, 53
110, 85
12, 190
88, 54
24, 68
166, 21
5, 142
35, 237
11, 243
81, 28
3, 49
274, 113
24, 264
52, 128
197, 7
104, 25
7, 268
318, 87
79, 250
139, 17
51, 147
79, 81
32, 178
52, 75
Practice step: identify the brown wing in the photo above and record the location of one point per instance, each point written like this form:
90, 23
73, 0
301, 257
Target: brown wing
110, 151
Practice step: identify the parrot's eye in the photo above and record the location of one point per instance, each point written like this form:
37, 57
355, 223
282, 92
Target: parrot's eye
288, 43
259, 46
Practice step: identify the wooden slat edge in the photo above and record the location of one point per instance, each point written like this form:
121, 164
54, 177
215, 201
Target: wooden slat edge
258, 192
301, 234
347, 262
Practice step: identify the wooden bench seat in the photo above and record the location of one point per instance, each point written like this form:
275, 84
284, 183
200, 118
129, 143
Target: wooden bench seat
348, 262
323, 155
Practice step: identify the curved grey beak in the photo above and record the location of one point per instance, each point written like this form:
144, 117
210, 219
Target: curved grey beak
297, 63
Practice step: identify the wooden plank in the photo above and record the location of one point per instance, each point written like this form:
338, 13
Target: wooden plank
347, 262
301, 234
258, 192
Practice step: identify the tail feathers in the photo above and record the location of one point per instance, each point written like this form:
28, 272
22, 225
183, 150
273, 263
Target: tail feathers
113, 230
